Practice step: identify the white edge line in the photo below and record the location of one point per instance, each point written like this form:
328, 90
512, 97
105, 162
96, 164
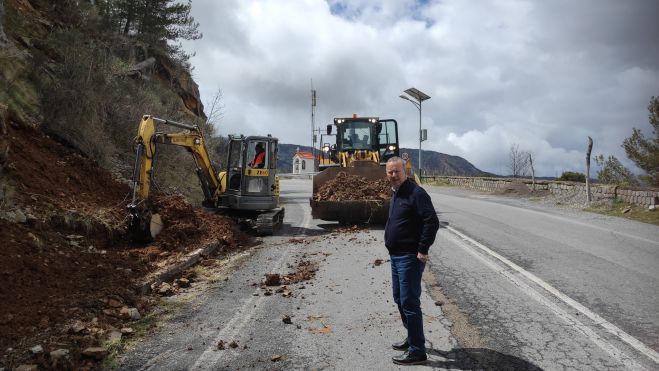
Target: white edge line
611, 328
210, 357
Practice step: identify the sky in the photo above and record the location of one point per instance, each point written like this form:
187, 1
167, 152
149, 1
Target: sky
542, 75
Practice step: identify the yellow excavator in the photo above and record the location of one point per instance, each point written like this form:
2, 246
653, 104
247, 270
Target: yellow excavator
247, 189
362, 147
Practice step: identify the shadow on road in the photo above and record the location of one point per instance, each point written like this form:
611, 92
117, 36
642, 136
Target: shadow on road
478, 359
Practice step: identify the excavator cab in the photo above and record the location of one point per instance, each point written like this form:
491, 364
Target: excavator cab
251, 174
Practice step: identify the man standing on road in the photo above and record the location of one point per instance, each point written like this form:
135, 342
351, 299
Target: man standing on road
410, 230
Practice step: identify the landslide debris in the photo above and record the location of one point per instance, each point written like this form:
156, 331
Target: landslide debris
348, 187
70, 276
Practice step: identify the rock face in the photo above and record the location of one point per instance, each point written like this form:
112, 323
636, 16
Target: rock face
148, 63
182, 83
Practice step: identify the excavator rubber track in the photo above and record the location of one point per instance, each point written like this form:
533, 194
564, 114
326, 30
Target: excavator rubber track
350, 211
267, 222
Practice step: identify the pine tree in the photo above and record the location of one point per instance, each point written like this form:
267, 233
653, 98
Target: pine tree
645, 151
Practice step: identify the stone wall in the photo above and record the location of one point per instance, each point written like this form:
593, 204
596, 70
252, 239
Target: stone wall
600, 192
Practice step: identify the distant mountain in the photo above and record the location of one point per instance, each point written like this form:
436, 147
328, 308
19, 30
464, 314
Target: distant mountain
434, 163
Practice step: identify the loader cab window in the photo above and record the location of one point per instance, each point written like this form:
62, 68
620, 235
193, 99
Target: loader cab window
388, 139
356, 135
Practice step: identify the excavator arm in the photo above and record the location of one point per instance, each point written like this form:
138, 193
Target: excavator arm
143, 225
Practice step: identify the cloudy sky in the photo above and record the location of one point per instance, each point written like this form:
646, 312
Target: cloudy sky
541, 74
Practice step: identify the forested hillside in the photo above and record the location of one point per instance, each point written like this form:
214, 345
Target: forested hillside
85, 73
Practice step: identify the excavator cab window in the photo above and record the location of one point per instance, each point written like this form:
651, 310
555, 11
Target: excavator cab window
235, 164
259, 155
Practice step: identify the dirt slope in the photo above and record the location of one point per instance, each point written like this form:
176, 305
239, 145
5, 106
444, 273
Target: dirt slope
68, 275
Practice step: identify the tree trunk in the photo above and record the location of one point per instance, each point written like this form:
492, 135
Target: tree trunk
589, 196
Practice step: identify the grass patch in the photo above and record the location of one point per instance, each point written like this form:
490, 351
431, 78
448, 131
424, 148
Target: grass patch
635, 212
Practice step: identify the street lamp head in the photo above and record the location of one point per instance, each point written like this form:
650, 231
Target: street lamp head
404, 97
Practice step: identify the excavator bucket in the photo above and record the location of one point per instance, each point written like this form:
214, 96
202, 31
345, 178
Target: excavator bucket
350, 211
143, 225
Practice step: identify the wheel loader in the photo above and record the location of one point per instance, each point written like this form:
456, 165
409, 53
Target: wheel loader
247, 189
362, 147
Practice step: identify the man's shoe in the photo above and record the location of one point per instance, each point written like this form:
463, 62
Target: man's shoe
403, 345
408, 358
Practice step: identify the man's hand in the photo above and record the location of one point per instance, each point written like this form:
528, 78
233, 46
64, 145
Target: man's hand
423, 257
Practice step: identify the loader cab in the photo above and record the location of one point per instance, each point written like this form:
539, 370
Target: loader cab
367, 134
251, 173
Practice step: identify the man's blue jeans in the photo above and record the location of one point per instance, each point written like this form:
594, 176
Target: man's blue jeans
406, 272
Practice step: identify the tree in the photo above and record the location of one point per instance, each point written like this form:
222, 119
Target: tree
151, 20
572, 176
519, 161
645, 151
614, 172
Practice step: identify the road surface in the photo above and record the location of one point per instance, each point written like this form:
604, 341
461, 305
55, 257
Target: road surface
510, 285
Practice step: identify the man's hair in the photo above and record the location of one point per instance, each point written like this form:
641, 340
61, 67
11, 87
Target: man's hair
394, 159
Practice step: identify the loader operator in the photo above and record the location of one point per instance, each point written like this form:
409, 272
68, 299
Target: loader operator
408, 234
259, 157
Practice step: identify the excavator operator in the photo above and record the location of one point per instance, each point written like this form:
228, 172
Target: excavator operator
259, 157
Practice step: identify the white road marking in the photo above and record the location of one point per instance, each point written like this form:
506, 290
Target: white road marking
611, 328
211, 356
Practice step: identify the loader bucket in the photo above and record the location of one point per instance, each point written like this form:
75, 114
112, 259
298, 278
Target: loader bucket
350, 211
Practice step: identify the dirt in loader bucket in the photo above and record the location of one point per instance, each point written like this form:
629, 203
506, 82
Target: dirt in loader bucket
352, 198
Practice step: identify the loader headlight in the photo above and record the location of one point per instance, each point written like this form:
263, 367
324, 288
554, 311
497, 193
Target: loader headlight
391, 147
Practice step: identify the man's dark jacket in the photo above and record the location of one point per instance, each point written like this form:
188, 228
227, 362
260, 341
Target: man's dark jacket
413, 223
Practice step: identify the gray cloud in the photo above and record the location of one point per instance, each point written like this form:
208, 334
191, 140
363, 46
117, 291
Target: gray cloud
544, 75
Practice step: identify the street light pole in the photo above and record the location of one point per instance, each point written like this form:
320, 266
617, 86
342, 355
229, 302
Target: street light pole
420, 97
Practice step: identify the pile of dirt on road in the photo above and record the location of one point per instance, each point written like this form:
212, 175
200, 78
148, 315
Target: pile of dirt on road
69, 276
346, 187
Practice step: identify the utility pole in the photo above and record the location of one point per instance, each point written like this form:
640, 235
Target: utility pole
313, 126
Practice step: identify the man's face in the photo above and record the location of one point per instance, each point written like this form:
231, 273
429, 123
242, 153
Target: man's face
396, 174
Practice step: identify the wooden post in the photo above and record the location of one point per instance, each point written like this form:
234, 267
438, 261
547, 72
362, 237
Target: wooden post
532, 172
589, 196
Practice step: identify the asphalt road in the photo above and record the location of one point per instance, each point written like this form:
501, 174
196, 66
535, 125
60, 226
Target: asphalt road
521, 286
